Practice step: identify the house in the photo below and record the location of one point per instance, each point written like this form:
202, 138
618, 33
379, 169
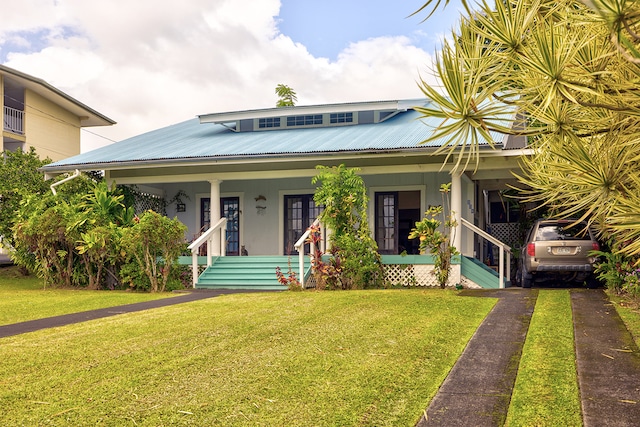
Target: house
36, 114
254, 168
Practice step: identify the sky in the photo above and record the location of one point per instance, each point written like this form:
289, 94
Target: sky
152, 63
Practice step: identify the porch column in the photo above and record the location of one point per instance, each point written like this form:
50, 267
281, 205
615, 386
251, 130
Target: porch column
456, 208
455, 277
213, 245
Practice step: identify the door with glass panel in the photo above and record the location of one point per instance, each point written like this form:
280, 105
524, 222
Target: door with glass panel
300, 211
387, 222
396, 213
229, 208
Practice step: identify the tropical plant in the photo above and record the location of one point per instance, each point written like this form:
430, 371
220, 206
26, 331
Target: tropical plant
344, 197
566, 75
45, 240
153, 244
326, 272
437, 240
19, 178
290, 280
288, 97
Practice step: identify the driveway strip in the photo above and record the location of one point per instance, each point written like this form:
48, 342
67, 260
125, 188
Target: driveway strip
478, 389
608, 362
67, 319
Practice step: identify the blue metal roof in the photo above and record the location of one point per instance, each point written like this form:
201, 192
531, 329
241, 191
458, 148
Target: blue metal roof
191, 140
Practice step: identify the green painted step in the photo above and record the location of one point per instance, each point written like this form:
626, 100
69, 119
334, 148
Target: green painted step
478, 272
247, 272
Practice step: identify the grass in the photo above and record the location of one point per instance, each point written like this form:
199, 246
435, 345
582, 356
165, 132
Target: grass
291, 358
546, 391
24, 298
629, 310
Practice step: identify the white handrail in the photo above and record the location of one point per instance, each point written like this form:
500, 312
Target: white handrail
218, 229
299, 245
503, 248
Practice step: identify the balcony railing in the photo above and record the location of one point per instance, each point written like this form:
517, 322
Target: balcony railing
13, 120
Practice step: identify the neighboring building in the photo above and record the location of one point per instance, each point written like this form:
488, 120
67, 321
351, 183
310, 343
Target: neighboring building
36, 114
255, 168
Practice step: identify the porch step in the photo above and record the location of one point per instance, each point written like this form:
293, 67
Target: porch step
247, 272
481, 274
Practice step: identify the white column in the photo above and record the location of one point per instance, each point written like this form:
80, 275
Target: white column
456, 209
456, 239
213, 246
215, 200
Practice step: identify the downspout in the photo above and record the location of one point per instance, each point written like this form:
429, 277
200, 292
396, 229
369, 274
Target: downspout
69, 178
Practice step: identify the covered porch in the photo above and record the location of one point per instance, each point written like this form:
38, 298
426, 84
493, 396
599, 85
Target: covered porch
253, 225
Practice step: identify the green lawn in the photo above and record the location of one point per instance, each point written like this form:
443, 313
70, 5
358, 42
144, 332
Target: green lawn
24, 298
629, 311
546, 390
355, 358
291, 358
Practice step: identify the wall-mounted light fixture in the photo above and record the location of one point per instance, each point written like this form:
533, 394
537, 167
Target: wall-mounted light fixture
260, 205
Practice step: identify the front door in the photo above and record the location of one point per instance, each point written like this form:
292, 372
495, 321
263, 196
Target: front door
300, 211
229, 208
396, 213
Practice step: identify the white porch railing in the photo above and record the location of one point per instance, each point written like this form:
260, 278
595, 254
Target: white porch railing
13, 120
217, 232
300, 244
503, 248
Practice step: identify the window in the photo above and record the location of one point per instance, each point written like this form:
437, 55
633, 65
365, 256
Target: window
504, 212
269, 122
315, 119
341, 118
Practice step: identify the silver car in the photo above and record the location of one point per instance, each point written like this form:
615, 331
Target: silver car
555, 250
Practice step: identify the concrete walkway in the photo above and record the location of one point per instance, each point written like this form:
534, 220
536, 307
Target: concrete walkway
478, 389
608, 362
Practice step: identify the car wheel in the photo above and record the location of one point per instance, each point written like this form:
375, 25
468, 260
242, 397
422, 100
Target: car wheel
516, 279
593, 283
526, 279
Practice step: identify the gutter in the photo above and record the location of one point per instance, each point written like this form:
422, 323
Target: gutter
69, 178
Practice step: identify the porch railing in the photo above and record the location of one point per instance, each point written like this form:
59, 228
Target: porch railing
13, 120
217, 233
300, 244
503, 249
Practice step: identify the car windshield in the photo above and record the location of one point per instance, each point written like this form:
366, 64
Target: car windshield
559, 232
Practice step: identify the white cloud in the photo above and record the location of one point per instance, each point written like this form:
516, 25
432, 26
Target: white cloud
152, 63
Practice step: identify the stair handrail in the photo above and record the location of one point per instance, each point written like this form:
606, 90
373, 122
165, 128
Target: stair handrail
299, 245
218, 230
502, 246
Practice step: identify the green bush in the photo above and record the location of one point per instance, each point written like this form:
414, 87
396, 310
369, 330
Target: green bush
618, 272
154, 243
355, 253
86, 237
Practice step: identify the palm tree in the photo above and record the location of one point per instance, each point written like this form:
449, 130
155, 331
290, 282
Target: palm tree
571, 69
287, 96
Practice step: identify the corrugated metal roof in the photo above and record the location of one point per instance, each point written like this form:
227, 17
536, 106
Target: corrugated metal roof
191, 140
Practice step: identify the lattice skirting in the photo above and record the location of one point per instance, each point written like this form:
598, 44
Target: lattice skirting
410, 275
422, 275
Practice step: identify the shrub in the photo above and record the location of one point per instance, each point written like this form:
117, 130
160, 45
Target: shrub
438, 242
154, 244
355, 253
618, 272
